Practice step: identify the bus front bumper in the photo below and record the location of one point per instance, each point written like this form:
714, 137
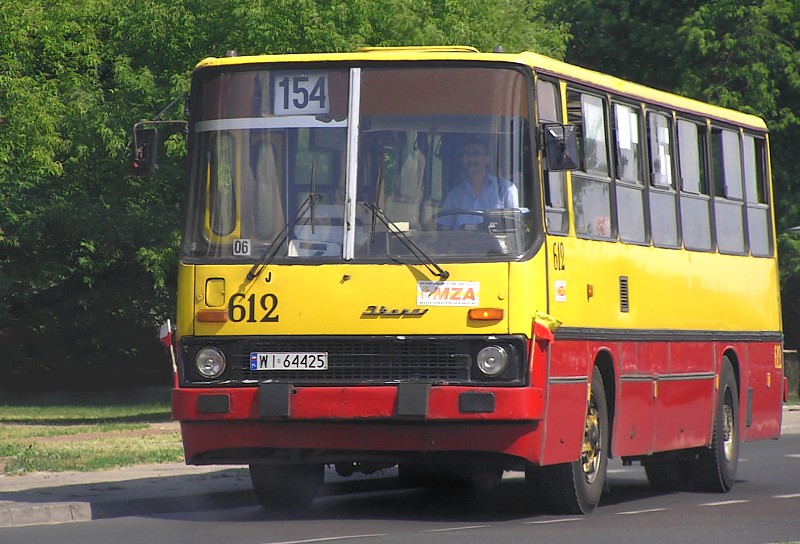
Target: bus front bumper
280, 421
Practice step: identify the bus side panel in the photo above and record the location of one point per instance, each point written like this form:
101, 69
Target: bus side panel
761, 391
565, 409
684, 394
635, 406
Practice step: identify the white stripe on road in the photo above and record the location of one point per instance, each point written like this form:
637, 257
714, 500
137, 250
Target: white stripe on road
326, 539
457, 528
632, 512
564, 520
791, 496
725, 503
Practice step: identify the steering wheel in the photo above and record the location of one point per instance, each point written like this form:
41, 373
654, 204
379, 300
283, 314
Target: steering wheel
445, 213
479, 213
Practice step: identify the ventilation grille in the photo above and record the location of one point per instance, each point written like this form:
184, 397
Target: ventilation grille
623, 294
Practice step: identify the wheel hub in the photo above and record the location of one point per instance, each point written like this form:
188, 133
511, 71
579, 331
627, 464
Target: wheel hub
591, 450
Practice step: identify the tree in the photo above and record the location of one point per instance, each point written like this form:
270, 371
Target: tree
88, 253
739, 54
746, 56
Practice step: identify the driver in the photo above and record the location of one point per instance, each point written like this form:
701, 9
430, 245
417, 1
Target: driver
479, 190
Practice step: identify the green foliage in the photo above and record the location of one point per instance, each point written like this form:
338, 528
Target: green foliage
88, 253
517, 25
89, 455
85, 430
740, 54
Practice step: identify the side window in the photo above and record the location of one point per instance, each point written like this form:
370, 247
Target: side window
663, 203
591, 186
756, 195
629, 183
726, 169
549, 106
727, 164
694, 195
629, 151
595, 155
222, 176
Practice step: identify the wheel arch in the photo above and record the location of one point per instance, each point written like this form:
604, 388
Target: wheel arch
732, 357
604, 362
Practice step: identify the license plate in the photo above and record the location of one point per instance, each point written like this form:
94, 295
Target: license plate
288, 361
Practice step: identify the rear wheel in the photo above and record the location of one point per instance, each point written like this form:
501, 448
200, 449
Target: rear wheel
286, 487
575, 488
717, 464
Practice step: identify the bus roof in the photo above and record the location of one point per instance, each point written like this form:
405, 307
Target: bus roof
541, 64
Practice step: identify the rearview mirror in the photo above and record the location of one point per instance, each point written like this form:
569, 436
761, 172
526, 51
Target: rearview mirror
561, 147
145, 146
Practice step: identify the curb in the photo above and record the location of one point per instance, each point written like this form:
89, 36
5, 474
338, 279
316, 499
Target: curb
210, 488
21, 515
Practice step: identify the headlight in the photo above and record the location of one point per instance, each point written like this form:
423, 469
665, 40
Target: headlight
210, 362
492, 360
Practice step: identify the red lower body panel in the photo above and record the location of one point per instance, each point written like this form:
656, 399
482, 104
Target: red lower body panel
333, 420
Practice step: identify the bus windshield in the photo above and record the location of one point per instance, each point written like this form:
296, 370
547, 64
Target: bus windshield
322, 163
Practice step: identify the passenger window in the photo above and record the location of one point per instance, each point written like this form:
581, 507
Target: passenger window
594, 135
659, 135
591, 189
754, 170
629, 152
755, 175
727, 165
663, 203
727, 175
556, 217
629, 186
694, 197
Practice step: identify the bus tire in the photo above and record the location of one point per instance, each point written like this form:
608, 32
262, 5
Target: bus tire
576, 487
286, 487
717, 464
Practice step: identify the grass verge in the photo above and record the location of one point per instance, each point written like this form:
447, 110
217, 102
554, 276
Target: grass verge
85, 431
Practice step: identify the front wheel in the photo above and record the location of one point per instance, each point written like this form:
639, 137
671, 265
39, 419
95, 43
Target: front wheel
575, 488
286, 487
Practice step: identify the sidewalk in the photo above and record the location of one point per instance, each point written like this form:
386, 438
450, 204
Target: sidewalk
42, 498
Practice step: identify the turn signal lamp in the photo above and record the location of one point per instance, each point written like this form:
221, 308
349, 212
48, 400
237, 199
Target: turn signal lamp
486, 314
212, 316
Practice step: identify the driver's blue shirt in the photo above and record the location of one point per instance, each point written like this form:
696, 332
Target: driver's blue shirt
495, 194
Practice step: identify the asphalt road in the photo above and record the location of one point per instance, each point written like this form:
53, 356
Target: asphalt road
763, 507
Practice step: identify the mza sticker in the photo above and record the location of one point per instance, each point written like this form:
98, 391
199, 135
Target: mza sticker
448, 293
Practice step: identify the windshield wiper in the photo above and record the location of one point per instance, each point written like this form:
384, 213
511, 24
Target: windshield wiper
313, 192
378, 189
415, 250
277, 242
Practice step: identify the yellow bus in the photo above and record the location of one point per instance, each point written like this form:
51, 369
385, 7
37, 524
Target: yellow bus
465, 263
